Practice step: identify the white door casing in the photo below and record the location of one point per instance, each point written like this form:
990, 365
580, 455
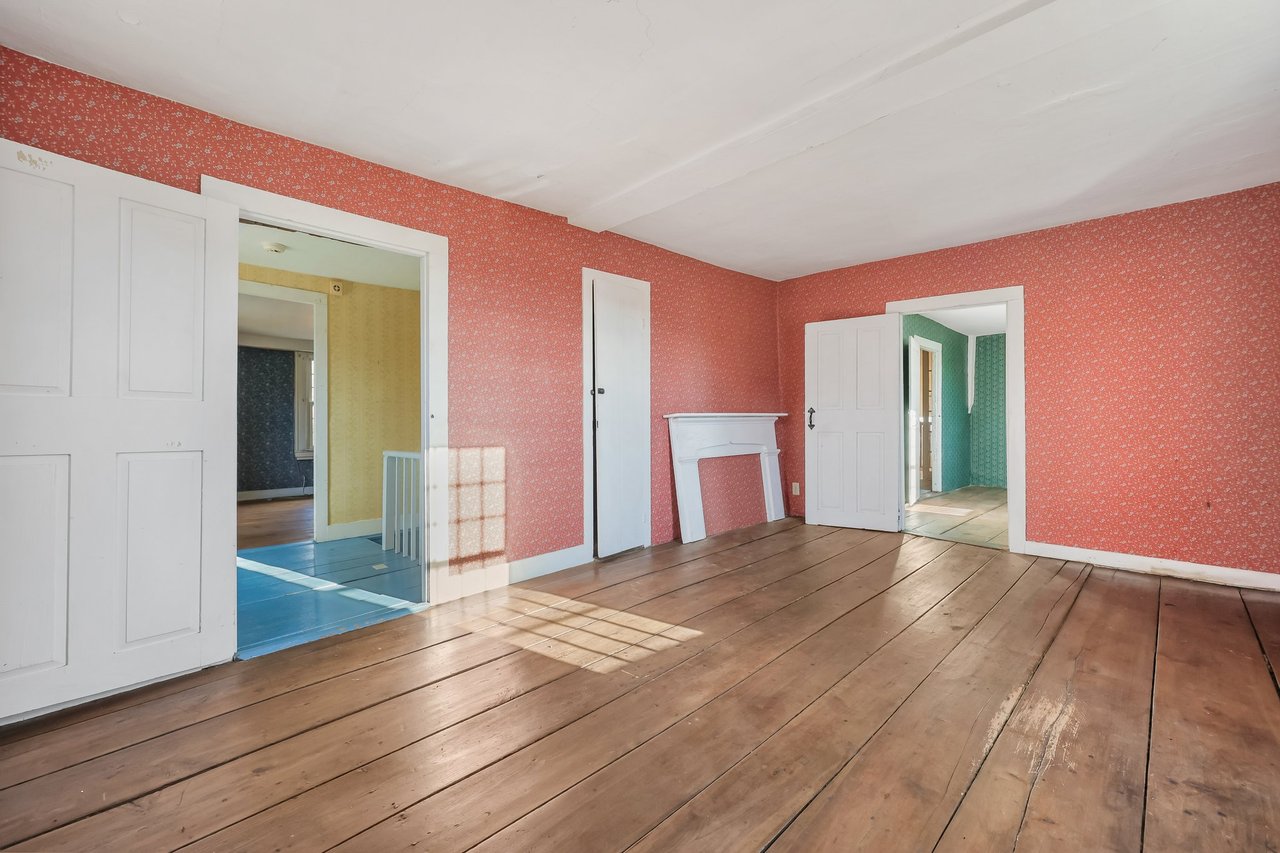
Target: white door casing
1014, 383
270, 208
915, 405
117, 451
622, 412
853, 400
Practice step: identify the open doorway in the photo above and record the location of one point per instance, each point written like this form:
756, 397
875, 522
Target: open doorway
955, 425
329, 431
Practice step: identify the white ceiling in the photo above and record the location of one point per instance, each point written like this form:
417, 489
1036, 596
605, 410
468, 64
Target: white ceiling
275, 318
973, 320
779, 138
322, 256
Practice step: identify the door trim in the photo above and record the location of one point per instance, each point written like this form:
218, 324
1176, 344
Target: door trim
915, 346
321, 530
433, 249
1015, 385
588, 438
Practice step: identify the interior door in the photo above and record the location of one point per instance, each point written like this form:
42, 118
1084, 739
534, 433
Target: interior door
117, 452
622, 416
926, 420
853, 435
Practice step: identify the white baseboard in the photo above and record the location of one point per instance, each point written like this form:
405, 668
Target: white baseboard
544, 564
1155, 566
266, 494
348, 529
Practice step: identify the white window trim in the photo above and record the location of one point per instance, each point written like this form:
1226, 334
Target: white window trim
304, 442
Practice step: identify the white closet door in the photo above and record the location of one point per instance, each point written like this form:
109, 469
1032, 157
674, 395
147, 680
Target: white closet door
117, 444
853, 461
622, 413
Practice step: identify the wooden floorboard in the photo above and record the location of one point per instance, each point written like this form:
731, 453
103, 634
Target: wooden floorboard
741, 809
1077, 741
899, 790
823, 543
1213, 781
514, 781
784, 687
274, 522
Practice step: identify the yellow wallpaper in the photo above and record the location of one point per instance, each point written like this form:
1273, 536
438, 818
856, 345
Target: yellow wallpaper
374, 384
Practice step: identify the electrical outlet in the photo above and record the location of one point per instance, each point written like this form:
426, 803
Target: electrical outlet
795, 488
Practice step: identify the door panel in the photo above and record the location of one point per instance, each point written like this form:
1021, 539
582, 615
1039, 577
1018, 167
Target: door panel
853, 380
159, 505
33, 574
161, 301
35, 303
117, 457
623, 423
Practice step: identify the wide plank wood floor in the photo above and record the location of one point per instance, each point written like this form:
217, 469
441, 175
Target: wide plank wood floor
783, 687
978, 515
275, 522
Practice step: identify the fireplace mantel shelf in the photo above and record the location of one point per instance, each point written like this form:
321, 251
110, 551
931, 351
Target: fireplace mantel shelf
726, 415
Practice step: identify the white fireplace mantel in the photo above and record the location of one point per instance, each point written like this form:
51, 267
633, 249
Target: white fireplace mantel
707, 435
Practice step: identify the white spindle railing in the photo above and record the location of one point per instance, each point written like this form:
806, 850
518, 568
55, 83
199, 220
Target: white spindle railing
402, 503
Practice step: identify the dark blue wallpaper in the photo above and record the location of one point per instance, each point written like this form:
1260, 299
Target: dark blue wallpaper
265, 457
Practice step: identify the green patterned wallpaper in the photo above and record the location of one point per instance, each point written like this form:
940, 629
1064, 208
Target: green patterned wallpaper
955, 403
986, 423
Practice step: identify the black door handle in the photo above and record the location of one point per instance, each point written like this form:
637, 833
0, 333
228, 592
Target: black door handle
811, 411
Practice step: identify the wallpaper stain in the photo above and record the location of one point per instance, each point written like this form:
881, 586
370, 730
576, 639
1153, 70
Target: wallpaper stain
1145, 433
374, 384
987, 453
955, 393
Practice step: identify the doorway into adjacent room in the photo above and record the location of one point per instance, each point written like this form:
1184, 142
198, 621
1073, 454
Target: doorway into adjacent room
955, 425
329, 470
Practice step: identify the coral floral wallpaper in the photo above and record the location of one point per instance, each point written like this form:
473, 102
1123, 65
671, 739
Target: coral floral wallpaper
1152, 345
515, 295
1151, 336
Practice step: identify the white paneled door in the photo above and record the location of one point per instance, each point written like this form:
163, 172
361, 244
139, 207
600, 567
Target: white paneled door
853, 422
622, 417
117, 430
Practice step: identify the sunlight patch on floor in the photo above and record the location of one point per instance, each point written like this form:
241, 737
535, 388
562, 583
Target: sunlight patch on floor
939, 510
580, 633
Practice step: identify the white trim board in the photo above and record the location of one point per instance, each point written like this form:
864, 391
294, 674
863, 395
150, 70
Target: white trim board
272, 209
545, 564
248, 339
353, 529
1223, 575
268, 494
1015, 384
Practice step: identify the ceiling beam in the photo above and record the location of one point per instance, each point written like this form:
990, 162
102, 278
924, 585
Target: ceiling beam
984, 46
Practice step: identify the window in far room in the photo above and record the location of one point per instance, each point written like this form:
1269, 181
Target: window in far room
304, 405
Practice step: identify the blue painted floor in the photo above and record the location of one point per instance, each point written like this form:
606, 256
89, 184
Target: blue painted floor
293, 594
